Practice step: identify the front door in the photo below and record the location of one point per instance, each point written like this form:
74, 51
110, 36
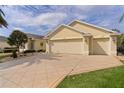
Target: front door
32, 44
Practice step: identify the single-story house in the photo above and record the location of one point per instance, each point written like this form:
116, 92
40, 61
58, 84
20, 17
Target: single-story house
35, 42
82, 38
3, 42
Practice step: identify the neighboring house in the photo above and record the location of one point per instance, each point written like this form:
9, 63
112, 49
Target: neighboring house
35, 42
3, 42
82, 38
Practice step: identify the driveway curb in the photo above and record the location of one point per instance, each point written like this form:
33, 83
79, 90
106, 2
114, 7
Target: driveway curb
57, 82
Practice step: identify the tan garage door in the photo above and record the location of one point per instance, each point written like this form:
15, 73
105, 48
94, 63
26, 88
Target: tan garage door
74, 46
100, 46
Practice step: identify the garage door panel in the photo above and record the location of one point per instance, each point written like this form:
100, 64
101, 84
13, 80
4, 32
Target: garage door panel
67, 46
100, 46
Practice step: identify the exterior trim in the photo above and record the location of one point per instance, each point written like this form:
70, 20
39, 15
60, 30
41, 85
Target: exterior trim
65, 39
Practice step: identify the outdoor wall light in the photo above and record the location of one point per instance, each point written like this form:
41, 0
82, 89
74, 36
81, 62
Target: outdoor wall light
85, 40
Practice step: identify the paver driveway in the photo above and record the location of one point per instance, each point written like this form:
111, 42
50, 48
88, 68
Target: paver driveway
45, 70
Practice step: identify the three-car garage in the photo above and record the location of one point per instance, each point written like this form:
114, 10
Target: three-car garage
82, 38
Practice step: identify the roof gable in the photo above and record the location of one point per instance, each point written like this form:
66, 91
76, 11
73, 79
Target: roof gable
94, 26
49, 35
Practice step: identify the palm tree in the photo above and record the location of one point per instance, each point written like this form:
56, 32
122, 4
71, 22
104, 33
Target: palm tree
121, 18
2, 20
116, 30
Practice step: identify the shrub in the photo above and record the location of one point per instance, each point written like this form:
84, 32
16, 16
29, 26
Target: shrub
1, 50
9, 49
29, 51
14, 54
41, 50
120, 50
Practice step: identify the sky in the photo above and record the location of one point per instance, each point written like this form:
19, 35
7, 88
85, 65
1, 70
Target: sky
44, 18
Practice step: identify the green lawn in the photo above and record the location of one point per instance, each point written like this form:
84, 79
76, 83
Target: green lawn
3, 55
108, 78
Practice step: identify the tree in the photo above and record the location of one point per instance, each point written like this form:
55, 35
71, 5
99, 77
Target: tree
4, 23
2, 20
17, 38
120, 42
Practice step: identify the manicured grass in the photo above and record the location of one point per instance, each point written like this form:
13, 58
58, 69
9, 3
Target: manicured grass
122, 61
4, 55
108, 78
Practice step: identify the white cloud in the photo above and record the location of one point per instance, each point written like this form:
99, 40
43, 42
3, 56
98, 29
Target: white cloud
80, 17
18, 28
24, 18
85, 7
105, 23
46, 19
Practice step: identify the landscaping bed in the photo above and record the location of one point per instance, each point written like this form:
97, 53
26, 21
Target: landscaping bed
108, 78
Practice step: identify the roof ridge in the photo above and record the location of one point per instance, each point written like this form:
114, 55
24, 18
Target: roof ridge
33, 34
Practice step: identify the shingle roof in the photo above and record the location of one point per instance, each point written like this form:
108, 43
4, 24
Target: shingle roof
2, 38
34, 36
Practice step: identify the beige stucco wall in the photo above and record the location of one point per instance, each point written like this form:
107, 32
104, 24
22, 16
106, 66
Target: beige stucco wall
66, 33
27, 45
86, 41
99, 43
88, 29
113, 45
90, 45
48, 46
37, 44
